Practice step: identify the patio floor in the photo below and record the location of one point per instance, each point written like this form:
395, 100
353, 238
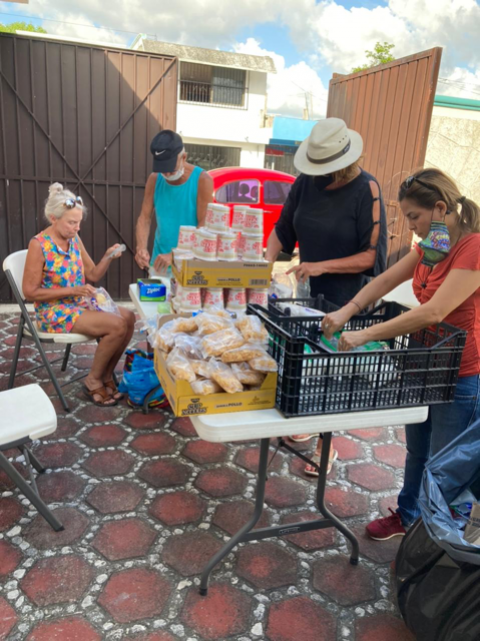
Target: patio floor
145, 503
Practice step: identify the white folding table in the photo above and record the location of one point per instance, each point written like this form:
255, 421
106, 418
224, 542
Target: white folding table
268, 424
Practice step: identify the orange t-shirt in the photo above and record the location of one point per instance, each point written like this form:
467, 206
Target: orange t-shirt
426, 281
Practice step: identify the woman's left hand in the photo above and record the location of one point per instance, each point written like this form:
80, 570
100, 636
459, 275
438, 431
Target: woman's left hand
350, 340
306, 270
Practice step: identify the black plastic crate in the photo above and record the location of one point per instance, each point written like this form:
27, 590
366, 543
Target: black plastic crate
419, 369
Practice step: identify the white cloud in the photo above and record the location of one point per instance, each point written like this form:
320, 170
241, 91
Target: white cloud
287, 88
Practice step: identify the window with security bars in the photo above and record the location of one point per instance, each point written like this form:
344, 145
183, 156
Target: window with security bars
212, 85
212, 157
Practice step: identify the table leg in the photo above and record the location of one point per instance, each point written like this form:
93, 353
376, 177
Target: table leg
322, 481
240, 535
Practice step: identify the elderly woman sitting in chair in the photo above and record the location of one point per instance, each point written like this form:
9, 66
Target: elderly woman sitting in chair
56, 271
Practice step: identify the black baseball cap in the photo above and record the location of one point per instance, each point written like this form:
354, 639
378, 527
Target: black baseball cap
165, 148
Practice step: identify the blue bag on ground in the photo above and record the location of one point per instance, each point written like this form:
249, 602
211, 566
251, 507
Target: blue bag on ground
139, 378
437, 571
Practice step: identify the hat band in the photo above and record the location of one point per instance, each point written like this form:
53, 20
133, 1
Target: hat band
323, 161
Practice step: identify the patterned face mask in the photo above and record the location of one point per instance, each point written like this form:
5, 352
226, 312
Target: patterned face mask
436, 245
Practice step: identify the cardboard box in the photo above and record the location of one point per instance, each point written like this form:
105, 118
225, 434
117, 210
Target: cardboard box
204, 273
151, 290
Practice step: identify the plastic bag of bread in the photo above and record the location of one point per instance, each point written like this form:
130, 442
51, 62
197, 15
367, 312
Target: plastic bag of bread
246, 375
218, 342
264, 363
205, 386
252, 329
190, 345
164, 337
201, 368
244, 353
220, 311
180, 366
210, 323
185, 325
224, 376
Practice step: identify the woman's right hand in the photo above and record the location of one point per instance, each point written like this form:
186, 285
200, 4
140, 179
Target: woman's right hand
85, 291
335, 321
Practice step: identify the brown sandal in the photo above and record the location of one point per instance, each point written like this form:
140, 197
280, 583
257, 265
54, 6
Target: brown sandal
100, 391
115, 394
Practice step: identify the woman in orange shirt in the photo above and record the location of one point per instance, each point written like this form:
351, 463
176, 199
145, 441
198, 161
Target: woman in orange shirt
445, 267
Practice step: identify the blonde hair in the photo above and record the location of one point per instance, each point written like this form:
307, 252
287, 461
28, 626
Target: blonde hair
438, 186
347, 173
55, 205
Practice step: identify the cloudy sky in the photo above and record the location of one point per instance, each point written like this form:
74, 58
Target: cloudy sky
308, 39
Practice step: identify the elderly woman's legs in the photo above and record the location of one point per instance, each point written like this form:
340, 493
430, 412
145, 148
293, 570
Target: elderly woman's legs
113, 331
129, 317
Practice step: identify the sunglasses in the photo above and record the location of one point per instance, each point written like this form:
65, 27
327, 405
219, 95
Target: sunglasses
70, 203
411, 179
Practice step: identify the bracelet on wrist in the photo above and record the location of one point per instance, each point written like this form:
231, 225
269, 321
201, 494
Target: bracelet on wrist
360, 309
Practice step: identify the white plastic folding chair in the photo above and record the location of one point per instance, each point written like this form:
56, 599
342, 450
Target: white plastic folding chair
14, 266
26, 414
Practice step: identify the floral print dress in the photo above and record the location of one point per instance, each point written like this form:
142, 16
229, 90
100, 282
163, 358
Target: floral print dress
61, 269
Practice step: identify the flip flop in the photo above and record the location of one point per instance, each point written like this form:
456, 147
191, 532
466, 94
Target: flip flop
316, 459
302, 438
100, 391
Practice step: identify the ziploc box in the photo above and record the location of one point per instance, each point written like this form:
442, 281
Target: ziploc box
203, 273
185, 402
151, 290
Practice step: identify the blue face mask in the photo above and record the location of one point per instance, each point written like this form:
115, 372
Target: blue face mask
436, 246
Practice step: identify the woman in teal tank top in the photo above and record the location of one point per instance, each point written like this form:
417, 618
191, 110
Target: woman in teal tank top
175, 205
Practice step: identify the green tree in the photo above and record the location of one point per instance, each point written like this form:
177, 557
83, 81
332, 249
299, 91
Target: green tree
21, 26
382, 52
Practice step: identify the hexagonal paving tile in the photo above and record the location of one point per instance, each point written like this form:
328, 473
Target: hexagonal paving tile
313, 540
184, 427
203, 452
233, 515
59, 579
381, 627
132, 595
92, 414
369, 433
249, 458
117, 496
345, 503
152, 420
125, 539
67, 629
371, 477
383, 553
222, 614
60, 486
6, 482
299, 618
267, 565
178, 508
10, 557
103, 435
345, 583
66, 427
154, 444
8, 618
390, 454
221, 482
189, 553
283, 492
165, 473
11, 511
109, 463
56, 455
347, 448
42, 536
151, 636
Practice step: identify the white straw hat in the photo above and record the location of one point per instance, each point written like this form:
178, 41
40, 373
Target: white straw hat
330, 147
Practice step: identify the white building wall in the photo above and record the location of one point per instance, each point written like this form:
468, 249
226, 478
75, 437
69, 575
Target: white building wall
235, 127
251, 155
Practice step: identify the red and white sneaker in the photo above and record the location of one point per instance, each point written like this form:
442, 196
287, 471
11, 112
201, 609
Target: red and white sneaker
386, 528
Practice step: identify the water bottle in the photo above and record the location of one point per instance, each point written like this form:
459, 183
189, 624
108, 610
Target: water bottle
303, 289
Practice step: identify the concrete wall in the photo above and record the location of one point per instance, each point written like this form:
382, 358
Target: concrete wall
454, 147
233, 126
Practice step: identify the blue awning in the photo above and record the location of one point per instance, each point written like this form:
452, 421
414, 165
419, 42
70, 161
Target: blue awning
290, 131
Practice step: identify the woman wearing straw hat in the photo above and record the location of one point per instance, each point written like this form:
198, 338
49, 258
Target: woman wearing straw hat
335, 212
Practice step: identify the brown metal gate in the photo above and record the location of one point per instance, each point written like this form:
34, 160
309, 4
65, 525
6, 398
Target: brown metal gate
83, 116
391, 107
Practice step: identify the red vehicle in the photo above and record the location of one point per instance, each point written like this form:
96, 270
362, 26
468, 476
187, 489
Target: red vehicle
260, 188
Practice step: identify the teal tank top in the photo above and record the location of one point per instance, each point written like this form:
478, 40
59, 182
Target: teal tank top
175, 205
